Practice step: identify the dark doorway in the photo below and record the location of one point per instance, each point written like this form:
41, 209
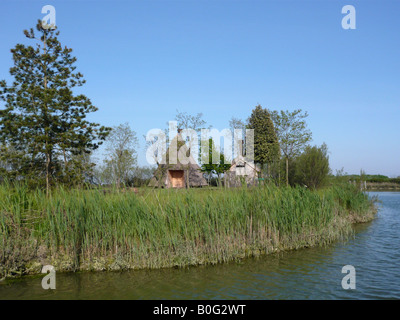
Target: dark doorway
176, 178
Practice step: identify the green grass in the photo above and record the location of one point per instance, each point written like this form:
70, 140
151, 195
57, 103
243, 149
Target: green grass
90, 230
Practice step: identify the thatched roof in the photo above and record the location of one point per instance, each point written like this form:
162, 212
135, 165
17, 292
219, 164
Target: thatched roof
161, 177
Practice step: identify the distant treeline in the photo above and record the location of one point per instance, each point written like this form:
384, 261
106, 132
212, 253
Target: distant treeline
373, 178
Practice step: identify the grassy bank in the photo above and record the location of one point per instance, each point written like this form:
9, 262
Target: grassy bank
89, 230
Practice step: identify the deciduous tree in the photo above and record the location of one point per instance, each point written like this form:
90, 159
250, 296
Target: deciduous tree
312, 166
121, 147
293, 135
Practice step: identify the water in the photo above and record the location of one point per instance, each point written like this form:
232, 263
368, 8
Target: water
313, 273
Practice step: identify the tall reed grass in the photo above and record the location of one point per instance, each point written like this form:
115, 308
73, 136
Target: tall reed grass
91, 230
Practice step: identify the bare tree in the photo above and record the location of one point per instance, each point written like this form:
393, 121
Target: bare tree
237, 124
187, 121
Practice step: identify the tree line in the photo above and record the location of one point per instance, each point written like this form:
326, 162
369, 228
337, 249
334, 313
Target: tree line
282, 147
46, 138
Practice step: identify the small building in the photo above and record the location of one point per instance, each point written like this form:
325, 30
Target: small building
178, 175
241, 172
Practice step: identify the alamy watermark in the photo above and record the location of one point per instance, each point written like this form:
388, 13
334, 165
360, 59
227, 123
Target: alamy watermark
349, 280
49, 281
349, 20
189, 146
49, 21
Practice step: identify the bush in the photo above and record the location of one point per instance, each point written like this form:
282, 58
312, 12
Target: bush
312, 167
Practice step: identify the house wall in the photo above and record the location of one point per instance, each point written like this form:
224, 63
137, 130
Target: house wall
237, 175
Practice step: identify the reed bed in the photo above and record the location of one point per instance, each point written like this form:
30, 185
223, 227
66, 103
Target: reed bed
92, 230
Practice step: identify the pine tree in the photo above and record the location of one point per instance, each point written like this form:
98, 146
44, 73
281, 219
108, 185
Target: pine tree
43, 119
266, 146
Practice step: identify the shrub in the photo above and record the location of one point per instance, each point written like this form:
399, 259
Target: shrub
312, 167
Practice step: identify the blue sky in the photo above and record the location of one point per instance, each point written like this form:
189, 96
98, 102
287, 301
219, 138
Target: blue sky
144, 59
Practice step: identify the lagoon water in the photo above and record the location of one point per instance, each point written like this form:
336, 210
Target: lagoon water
313, 273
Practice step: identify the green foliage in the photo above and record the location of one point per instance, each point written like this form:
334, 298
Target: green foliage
312, 167
291, 172
266, 145
141, 176
291, 130
163, 228
44, 123
375, 178
79, 170
378, 178
214, 166
121, 157
292, 133
352, 199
